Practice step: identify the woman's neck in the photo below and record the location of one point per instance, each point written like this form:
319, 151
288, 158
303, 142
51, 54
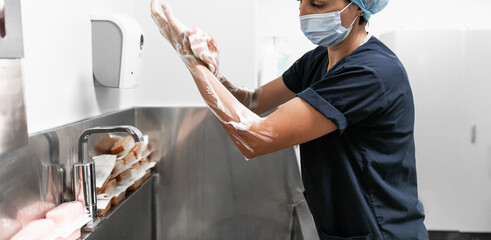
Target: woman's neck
346, 47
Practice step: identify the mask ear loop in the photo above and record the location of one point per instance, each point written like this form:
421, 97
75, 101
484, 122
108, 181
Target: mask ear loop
353, 21
346, 7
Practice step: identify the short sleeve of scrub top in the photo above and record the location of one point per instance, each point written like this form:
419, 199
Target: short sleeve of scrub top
349, 93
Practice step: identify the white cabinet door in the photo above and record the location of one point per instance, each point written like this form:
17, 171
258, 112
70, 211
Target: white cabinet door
475, 162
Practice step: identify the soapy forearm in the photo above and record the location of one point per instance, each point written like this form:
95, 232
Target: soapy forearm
246, 129
248, 97
206, 49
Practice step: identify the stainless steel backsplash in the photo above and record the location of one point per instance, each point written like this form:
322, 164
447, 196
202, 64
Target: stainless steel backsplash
205, 189
37, 176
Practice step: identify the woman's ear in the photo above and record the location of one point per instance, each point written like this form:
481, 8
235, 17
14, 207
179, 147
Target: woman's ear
359, 11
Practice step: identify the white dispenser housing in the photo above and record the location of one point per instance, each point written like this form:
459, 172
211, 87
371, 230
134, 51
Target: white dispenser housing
117, 50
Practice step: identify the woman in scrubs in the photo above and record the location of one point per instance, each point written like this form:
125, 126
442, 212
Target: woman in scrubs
349, 105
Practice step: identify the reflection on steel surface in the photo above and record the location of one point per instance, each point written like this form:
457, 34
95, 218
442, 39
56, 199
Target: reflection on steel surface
13, 125
52, 185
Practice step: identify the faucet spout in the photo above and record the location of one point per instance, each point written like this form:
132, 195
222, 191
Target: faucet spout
84, 138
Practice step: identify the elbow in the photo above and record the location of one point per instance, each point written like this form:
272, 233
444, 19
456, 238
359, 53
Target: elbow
246, 149
251, 143
249, 154
251, 149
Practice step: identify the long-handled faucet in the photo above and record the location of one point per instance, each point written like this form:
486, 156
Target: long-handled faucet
84, 185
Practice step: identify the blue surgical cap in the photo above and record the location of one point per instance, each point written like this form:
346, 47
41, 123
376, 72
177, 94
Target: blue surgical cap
370, 7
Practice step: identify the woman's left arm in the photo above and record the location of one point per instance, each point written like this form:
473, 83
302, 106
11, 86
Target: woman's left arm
293, 123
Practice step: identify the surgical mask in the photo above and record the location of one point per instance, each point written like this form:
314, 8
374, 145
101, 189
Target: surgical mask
325, 29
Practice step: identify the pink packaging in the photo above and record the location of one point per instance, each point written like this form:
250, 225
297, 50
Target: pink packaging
8, 227
65, 212
35, 230
73, 236
33, 211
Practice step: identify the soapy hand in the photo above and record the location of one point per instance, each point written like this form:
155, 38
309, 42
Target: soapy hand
187, 42
173, 30
204, 47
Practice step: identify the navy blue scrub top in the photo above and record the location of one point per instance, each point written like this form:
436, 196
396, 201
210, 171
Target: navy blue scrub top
360, 181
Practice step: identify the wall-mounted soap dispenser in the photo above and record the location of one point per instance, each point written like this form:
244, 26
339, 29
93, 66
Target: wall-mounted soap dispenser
117, 50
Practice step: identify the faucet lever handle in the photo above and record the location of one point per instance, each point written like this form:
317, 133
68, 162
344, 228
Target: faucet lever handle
84, 186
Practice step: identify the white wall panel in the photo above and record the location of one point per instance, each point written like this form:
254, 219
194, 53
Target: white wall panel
431, 15
57, 63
